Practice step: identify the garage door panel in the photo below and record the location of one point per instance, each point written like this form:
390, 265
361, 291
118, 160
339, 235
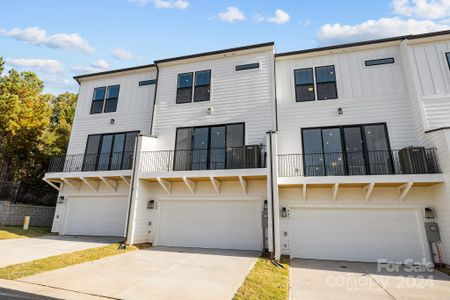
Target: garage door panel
96, 216
355, 234
210, 224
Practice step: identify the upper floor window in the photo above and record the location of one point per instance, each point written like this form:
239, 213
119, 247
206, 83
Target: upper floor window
105, 99
326, 83
320, 85
186, 83
381, 61
448, 59
304, 85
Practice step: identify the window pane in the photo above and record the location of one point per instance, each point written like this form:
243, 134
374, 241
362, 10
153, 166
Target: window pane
332, 148
304, 93
113, 92
325, 74
105, 152
202, 78
90, 157
235, 135
312, 152
304, 76
130, 139
326, 91
201, 93
183, 152
448, 58
99, 93
217, 148
185, 80
111, 105
200, 149
380, 160
117, 152
97, 107
93, 144
355, 151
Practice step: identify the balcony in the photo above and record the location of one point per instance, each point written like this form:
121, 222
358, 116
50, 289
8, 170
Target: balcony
91, 162
358, 163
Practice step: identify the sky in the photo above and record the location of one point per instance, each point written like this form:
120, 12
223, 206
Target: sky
59, 39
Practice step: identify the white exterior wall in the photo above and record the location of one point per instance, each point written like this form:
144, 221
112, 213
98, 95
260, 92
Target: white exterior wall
366, 95
236, 96
134, 108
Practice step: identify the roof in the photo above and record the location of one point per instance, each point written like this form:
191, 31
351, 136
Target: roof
368, 42
215, 52
114, 71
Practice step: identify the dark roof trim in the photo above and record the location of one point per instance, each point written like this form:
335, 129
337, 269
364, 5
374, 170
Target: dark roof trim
214, 52
113, 71
363, 43
437, 129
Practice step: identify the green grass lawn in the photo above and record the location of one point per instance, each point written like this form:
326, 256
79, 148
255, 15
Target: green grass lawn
265, 281
15, 232
63, 260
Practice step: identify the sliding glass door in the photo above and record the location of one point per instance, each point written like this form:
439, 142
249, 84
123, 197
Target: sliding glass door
347, 150
208, 147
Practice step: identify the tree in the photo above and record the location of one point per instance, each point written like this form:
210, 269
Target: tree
33, 126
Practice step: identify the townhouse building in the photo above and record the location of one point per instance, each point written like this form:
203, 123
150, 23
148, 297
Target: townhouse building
339, 152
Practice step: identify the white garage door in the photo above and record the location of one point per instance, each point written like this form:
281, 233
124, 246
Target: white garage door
96, 216
210, 224
356, 234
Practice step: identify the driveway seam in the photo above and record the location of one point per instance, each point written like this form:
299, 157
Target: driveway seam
67, 290
379, 284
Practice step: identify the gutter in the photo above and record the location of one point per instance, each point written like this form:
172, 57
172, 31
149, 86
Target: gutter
271, 191
154, 99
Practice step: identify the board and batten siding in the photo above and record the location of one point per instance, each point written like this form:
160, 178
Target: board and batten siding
431, 69
366, 95
236, 96
134, 108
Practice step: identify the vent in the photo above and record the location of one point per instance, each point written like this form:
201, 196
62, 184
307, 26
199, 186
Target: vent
147, 82
381, 61
247, 67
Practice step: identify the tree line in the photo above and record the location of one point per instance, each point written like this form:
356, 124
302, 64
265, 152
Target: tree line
33, 125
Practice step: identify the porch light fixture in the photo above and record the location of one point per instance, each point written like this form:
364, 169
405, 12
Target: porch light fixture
151, 204
429, 213
111, 121
284, 212
61, 199
340, 111
265, 204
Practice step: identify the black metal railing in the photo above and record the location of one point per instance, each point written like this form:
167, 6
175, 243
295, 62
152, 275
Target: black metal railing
413, 160
92, 162
245, 157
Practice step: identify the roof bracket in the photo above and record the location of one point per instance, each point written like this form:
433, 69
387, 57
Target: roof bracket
166, 185
112, 186
243, 184
304, 193
126, 180
216, 184
58, 188
404, 189
72, 185
335, 191
368, 191
190, 184
90, 184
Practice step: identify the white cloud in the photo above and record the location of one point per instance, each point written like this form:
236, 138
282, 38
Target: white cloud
122, 54
46, 65
100, 64
232, 14
426, 9
38, 36
177, 4
280, 17
372, 29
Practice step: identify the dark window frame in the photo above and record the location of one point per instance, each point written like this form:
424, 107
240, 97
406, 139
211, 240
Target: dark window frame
112, 145
325, 82
313, 84
204, 85
379, 61
147, 82
209, 139
343, 144
105, 99
245, 67
447, 55
191, 88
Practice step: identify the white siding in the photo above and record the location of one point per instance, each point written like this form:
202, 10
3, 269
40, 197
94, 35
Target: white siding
431, 69
244, 96
134, 108
366, 95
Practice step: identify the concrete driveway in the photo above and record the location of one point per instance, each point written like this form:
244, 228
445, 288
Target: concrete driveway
14, 251
315, 279
156, 273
